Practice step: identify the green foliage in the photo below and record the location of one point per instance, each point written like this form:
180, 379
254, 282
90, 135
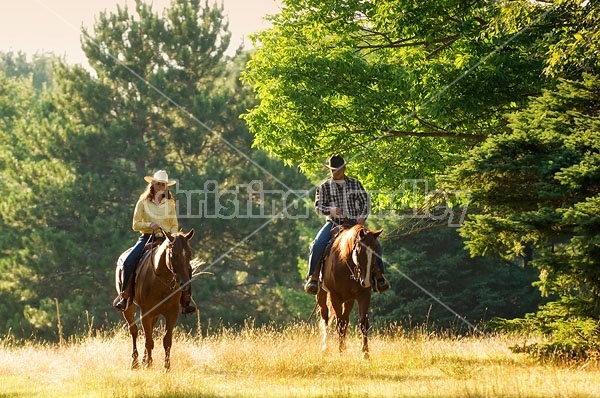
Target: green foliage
438, 91
571, 335
573, 46
538, 188
395, 85
474, 91
38, 69
476, 289
539, 182
162, 96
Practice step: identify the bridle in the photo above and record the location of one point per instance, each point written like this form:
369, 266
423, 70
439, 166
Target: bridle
355, 272
171, 283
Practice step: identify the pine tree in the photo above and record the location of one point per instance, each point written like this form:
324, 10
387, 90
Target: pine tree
538, 190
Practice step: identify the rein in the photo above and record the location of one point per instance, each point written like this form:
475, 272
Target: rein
354, 273
172, 283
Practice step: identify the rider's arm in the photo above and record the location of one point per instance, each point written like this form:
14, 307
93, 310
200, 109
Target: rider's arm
139, 215
323, 200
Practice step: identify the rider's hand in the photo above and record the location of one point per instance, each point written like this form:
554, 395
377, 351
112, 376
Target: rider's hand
154, 226
335, 212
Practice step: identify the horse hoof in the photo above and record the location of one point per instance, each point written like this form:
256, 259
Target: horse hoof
366, 355
135, 365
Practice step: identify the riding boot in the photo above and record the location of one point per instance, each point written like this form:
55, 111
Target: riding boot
187, 307
120, 303
312, 281
311, 286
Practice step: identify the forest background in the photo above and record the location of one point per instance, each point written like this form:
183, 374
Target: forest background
486, 110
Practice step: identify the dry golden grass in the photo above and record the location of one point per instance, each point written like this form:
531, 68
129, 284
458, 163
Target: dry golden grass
279, 363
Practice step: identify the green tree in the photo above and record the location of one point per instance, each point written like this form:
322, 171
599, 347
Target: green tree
162, 94
34, 215
475, 289
39, 68
421, 90
396, 85
538, 189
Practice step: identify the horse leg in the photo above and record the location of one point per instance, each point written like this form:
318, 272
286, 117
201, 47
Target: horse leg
343, 323
363, 311
148, 323
168, 339
339, 309
325, 316
128, 314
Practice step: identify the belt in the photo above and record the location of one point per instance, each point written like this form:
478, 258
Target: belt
341, 221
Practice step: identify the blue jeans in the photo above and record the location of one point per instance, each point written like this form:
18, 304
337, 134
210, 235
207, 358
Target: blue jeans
317, 247
133, 257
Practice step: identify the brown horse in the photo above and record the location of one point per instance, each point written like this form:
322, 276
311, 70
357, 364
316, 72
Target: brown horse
157, 291
347, 278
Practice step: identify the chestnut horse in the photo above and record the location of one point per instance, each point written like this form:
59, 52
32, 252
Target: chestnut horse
346, 277
157, 291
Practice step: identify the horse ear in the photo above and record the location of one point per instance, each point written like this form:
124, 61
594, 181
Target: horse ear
377, 233
190, 234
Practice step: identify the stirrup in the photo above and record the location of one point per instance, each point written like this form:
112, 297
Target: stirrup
120, 303
311, 287
188, 305
381, 284
188, 309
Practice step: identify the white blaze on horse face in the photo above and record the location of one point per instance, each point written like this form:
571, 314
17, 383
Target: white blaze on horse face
367, 281
355, 256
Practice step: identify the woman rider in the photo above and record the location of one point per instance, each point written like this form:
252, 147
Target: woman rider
154, 213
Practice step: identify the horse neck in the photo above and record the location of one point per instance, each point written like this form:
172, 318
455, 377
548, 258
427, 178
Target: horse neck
178, 264
346, 241
159, 259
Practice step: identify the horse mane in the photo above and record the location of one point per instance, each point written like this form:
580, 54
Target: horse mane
345, 243
160, 249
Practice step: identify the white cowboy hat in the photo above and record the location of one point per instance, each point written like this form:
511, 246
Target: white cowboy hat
160, 176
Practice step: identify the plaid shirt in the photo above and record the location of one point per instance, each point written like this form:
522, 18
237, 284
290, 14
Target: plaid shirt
351, 197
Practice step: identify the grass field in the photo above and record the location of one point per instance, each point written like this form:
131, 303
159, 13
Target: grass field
264, 362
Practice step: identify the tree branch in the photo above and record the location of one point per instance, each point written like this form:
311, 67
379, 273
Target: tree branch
403, 43
439, 134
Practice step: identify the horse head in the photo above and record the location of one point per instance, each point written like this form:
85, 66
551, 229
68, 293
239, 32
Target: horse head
179, 255
364, 254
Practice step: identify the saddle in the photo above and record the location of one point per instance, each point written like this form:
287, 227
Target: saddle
150, 246
335, 231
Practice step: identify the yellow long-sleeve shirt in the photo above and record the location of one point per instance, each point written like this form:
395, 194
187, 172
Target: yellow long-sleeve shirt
164, 214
